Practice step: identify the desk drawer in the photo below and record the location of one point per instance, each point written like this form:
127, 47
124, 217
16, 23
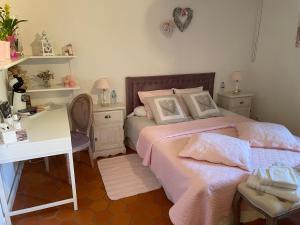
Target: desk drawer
108, 117
240, 102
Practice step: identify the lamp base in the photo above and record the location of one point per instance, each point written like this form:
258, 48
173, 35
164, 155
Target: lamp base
237, 89
236, 92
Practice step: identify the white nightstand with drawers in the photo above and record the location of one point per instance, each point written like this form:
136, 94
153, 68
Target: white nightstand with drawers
108, 130
238, 103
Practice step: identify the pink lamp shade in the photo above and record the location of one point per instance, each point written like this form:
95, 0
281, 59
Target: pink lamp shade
102, 84
236, 76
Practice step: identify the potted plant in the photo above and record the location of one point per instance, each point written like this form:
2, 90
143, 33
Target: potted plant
4, 44
8, 26
46, 76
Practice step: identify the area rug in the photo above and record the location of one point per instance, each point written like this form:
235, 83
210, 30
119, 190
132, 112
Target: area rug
125, 176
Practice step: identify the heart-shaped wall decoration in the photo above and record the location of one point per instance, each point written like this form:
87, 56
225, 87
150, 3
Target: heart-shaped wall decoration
182, 17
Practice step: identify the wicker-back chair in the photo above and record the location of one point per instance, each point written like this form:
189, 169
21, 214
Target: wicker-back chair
81, 116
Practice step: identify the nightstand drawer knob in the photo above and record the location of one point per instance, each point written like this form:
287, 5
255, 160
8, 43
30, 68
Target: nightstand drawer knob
242, 102
107, 117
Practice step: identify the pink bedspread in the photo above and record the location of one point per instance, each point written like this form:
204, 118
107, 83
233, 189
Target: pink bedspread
202, 192
153, 134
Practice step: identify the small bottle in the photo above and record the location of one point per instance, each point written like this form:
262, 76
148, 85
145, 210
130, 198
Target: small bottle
113, 97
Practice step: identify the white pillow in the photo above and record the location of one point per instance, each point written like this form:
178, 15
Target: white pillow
218, 148
140, 111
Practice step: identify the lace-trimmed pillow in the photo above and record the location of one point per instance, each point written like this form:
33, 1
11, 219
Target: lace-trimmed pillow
267, 135
219, 149
146, 94
201, 105
179, 92
166, 109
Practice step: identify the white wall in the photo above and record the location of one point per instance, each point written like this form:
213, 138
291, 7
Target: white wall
275, 76
3, 90
122, 38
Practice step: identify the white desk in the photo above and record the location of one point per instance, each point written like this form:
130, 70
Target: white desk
49, 134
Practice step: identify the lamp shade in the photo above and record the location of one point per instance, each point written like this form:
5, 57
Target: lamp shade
236, 76
102, 84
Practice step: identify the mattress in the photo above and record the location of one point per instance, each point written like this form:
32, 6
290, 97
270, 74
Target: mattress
133, 127
135, 124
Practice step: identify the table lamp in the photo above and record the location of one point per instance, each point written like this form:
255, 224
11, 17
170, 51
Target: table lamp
103, 85
237, 77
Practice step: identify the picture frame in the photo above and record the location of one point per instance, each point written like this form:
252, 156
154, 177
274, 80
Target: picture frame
68, 50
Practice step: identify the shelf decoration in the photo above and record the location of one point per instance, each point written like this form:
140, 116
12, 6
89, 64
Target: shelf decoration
46, 76
46, 45
8, 33
182, 17
67, 50
167, 28
69, 81
18, 71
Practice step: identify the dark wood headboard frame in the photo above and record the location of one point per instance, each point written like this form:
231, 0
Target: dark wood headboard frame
149, 83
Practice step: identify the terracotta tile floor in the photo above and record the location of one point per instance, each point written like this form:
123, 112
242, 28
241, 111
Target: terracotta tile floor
37, 187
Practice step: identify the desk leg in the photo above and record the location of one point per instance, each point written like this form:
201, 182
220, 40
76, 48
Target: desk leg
4, 203
72, 176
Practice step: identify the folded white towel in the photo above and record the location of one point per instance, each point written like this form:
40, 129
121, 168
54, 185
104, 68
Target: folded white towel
287, 194
278, 176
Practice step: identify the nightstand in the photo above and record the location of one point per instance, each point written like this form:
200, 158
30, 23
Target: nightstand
108, 130
237, 103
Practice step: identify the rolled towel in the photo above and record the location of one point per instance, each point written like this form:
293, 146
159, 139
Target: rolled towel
287, 194
278, 176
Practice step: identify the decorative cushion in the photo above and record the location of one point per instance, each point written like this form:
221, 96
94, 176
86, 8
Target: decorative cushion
268, 203
201, 105
267, 135
179, 93
79, 141
218, 148
166, 109
146, 94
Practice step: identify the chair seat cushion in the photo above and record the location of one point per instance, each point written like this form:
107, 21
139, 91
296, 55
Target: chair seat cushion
270, 204
79, 141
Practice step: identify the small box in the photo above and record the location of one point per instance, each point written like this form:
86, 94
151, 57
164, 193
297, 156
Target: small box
9, 136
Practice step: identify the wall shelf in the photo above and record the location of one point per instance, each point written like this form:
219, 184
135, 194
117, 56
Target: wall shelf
6, 64
36, 89
51, 57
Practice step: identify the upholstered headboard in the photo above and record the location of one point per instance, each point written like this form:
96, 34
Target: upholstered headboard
149, 83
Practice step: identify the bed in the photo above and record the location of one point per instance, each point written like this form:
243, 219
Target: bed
134, 125
202, 192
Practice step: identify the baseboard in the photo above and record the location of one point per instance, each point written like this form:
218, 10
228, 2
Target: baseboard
14, 188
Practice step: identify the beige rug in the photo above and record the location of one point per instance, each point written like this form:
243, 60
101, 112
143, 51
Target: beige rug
125, 176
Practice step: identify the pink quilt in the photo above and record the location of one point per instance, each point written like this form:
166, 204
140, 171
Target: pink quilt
154, 134
202, 192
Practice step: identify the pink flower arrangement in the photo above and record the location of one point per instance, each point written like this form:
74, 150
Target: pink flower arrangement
69, 81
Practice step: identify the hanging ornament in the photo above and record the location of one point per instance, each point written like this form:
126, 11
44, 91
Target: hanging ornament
167, 28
